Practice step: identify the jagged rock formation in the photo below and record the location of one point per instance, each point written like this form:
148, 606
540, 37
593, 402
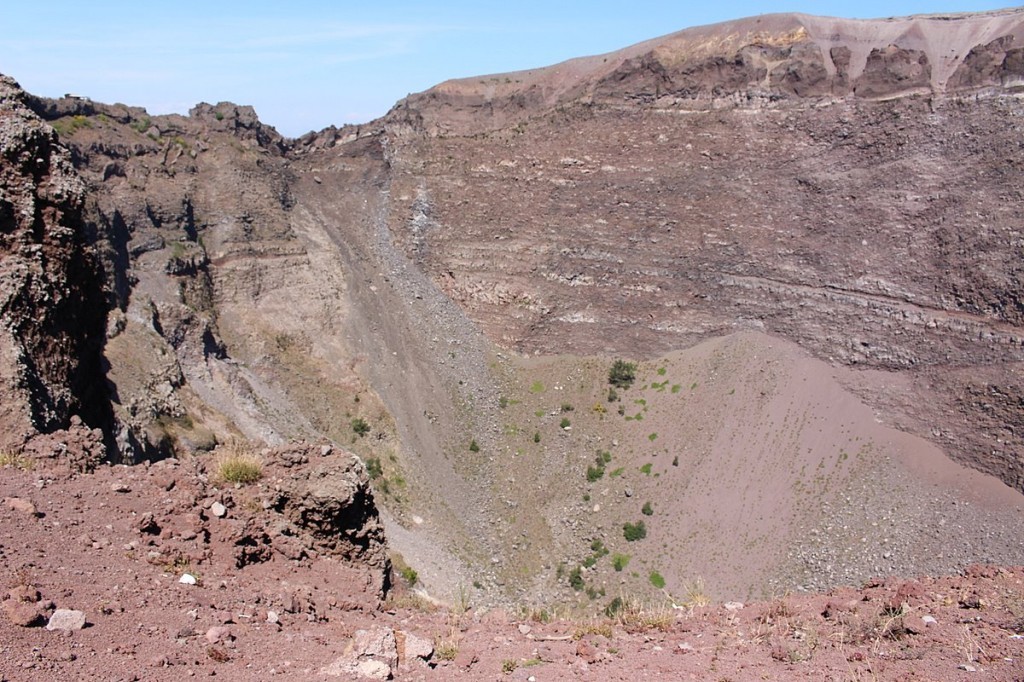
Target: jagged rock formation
848, 186
51, 303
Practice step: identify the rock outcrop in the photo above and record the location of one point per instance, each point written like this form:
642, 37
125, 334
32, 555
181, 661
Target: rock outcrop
51, 298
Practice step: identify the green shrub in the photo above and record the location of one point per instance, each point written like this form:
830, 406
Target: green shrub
614, 606
373, 468
536, 437
473, 446
612, 395
647, 510
410, 575
622, 374
576, 581
657, 580
360, 426
646, 468
594, 473
634, 531
565, 423
619, 562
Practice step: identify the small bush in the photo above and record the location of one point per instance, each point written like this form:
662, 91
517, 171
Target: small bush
612, 395
634, 531
360, 426
565, 423
647, 510
536, 437
473, 446
576, 581
234, 466
619, 562
613, 608
410, 575
374, 468
646, 468
657, 580
594, 473
622, 374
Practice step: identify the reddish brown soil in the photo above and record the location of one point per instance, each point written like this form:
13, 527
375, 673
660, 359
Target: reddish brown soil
82, 548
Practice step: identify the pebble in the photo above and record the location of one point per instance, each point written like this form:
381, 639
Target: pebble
273, 617
524, 629
187, 579
218, 633
218, 510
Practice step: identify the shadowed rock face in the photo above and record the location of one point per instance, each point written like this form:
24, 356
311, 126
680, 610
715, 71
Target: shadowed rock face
51, 298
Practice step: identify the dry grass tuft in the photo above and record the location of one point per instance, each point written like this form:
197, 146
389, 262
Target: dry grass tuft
597, 627
236, 464
16, 460
694, 595
636, 616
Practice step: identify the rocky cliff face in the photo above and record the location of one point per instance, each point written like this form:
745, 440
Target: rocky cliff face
51, 302
411, 286
849, 185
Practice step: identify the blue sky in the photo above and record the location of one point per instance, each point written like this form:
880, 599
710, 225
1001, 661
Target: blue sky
307, 64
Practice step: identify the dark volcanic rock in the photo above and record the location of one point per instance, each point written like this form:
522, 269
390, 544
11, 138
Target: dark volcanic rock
51, 298
893, 70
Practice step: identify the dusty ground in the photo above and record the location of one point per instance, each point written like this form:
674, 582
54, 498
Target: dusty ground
74, 542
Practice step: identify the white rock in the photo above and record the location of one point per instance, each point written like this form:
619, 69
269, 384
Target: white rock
733, 605
374, 670
524, 629
272, 617
218, 510
418, 647
928, 620
187, 579
66, 620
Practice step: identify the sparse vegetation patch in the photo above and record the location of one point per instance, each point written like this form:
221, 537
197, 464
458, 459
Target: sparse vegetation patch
622, 374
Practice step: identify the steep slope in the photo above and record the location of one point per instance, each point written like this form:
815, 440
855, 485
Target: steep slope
443, 291
692, 185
